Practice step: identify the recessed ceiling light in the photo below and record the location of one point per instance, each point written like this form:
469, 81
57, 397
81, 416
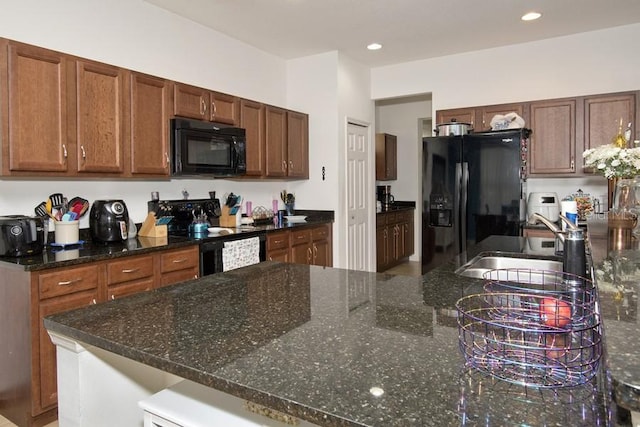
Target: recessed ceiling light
374, 46
531, 16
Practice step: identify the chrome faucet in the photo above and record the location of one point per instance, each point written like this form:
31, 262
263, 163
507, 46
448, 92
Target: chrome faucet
574, 258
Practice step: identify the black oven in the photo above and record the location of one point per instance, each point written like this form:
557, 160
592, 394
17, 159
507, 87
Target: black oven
205, 148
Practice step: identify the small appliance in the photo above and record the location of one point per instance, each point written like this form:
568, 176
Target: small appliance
109, 221
384, 196
200, 148
21, 235
545, 204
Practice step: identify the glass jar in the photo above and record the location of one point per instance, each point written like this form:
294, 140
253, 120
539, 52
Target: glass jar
626, 201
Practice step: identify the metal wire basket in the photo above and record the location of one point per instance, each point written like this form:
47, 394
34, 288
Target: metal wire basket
544, 332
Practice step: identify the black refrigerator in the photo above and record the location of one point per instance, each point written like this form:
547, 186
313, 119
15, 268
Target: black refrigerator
472, 188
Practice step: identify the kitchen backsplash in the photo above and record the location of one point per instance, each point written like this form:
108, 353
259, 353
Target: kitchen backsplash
595, 186
20, 197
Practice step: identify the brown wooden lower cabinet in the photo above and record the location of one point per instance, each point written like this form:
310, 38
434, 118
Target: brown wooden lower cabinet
394, 238
309, 245
28, 385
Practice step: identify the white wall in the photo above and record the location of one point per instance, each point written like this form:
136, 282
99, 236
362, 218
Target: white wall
136, 35
402, 117
331, 88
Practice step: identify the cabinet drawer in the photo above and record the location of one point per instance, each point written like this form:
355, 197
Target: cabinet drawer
299, 237
68, 281
279, 240
124, 289
178, 276
128, 269
180, 260
320, 233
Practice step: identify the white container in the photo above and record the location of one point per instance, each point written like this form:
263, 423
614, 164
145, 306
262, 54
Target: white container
67, 232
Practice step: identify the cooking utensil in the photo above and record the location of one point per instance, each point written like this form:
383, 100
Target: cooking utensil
57, 200
453, 128
41, 210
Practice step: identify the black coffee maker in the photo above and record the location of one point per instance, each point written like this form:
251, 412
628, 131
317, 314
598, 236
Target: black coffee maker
384, 196
109, 221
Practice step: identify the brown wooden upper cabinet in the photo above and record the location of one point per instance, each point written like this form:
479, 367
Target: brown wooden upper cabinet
460, 115
252, 119
100, 115
552, 145
34, 110
386, 157
198, 103
286, 143
149, 125
602, 115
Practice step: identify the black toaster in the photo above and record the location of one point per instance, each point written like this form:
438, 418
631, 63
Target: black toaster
21, 235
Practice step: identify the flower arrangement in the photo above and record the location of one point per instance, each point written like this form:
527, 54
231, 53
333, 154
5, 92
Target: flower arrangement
613, 161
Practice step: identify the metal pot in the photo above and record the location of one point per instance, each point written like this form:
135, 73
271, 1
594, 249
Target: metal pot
453, 128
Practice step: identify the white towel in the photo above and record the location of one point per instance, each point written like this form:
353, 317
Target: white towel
240, 253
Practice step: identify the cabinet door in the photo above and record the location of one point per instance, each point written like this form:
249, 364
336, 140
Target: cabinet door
320, 253
460, 115
276, 141
99, 119
45, 368
552, 146
602, 115
190, 101
252, 118
386, 157
302, 254
279, 255
224, 108
485, 114
36, 135
150, 101
297, 144
278, 246
382, 248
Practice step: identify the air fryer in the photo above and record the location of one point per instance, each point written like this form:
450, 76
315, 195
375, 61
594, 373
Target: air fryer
109, 221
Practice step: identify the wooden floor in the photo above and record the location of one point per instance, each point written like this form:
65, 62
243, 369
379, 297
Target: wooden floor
5, 423
409, 268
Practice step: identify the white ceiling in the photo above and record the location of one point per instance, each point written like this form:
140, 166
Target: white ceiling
408, 29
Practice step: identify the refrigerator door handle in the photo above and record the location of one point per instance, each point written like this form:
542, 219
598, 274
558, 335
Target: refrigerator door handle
464, 186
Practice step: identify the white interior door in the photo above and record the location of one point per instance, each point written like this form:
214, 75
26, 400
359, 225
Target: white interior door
358, 197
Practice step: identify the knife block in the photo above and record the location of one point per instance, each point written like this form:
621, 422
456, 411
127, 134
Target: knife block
150, 229
226, 219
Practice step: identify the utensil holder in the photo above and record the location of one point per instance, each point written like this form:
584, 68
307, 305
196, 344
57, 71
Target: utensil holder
67, 232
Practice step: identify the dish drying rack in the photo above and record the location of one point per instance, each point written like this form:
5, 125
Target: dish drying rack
532, 327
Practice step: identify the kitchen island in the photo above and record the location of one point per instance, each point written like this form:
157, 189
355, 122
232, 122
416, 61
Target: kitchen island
329, 346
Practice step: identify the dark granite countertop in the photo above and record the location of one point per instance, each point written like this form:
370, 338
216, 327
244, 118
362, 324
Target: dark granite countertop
320, 343
616, 260
89, 251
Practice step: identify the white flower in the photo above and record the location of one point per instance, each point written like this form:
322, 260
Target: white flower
612, 161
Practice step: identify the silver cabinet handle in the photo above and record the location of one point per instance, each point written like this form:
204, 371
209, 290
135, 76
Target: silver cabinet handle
94, 302
203, 106
64, 150
84, 153
130, 270
179, 261
290, 165
308, 254
68, 282
214, 110
166, 158
284, 165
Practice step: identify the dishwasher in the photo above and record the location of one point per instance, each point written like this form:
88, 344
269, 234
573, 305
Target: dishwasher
211, 252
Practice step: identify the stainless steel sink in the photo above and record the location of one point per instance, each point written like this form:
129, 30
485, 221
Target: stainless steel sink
491, 261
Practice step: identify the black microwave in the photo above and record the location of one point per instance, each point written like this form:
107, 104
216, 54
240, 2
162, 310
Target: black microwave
205, 148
